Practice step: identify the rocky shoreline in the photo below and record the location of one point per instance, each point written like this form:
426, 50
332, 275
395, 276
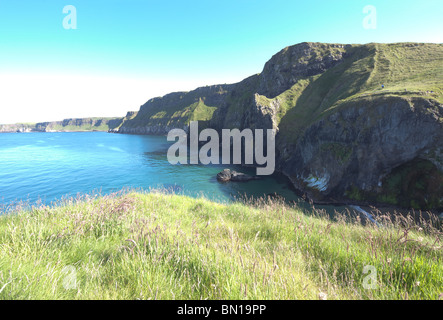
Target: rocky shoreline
341, 136
230, 175
355, 141
364, 207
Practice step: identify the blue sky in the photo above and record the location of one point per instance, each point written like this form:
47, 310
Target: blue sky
125, 52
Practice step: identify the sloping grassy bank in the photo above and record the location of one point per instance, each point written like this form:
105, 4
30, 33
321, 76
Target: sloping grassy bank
160, 246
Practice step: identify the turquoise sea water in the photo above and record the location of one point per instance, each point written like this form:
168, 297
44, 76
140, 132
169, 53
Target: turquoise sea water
50, 166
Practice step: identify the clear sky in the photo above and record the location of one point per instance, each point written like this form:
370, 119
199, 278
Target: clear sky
124, 52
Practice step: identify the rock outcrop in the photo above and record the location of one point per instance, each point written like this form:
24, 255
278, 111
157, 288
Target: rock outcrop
331, 159
341, 137
229, 175
298, 62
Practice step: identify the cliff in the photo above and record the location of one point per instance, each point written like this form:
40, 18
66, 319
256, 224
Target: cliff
19, 127
84, 124
355, 122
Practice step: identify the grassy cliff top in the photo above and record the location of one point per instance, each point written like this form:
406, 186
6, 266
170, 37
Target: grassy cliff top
367, 72
160, 246
307, 81
71, 124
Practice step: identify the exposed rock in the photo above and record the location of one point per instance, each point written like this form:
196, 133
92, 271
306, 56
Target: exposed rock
228, 175
330, 159
12, 128
339, 135
224, 176
81, 124
297, 62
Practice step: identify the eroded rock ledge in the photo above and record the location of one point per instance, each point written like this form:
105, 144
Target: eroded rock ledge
229, 175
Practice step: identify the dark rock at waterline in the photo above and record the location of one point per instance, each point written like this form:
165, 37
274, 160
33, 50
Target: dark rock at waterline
228, 175
239, 177
224, 176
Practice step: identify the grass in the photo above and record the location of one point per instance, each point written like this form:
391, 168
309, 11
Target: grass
202, 112
161, 246
87, 124
85, 128
407, 70
177, 109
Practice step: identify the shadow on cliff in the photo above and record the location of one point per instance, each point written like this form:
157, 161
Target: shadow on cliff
339, 82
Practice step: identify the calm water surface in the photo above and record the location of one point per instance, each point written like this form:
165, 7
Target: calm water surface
49, 166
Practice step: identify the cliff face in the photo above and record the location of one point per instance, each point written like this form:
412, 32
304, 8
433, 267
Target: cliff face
20, 127
85, 124
298, 62
341, 136
352, 152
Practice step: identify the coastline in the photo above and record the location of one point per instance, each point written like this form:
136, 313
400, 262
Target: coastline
364, 207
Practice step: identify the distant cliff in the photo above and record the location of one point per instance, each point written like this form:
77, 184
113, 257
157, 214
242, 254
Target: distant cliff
355, 122
84, 124
18, 127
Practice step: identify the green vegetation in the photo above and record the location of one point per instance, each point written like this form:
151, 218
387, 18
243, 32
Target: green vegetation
355, 193
86, 124
161, 246
17, 127
417, 184
175, 110
407, 70
129, 116
201, 112
340, 151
